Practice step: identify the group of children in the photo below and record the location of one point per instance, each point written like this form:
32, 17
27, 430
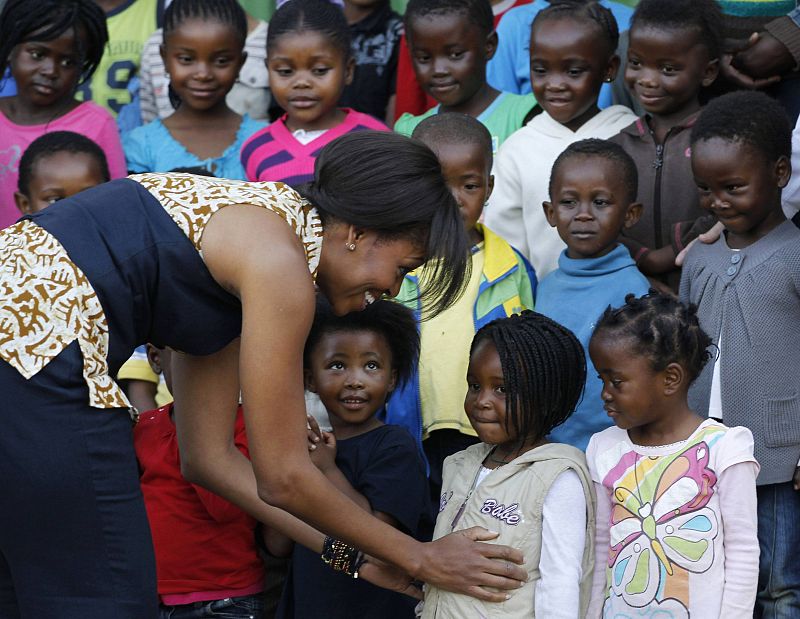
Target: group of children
642, 449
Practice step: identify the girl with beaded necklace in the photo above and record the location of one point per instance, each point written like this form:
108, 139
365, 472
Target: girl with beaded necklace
676, 493
525, 377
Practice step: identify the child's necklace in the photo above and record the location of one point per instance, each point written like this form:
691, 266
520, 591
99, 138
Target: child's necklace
497, 461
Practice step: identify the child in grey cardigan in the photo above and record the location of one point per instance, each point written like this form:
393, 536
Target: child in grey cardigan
747, 288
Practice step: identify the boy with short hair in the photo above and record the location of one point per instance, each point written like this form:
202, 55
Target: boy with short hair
502, 282
55, 166
745, 286
450, 42
674, 52
592, 199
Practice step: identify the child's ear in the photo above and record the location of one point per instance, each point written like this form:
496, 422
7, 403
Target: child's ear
163, 53
393, 381
674, 378
308, 379
490, 187
550, 213
711, 73
243, 60
611, 69
783, 171
632, 215
349, 70
153, 358
491, 45
23, 204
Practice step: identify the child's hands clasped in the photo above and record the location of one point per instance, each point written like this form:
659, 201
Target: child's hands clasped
321, 446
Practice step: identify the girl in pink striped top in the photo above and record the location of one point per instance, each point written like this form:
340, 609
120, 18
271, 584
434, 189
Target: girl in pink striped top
310, 62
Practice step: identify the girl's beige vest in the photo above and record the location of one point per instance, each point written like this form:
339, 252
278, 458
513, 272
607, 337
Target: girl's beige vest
509, 500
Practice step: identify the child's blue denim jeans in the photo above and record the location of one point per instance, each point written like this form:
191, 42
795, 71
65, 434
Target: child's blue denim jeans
245, 607
779, 538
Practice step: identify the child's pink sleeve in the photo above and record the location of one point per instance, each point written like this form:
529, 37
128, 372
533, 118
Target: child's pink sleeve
108, 140
99, 126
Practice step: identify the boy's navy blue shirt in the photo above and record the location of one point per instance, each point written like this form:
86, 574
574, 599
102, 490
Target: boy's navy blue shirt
385, 466
375, 44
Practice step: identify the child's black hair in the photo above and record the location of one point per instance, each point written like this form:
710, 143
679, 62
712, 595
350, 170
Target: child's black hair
227, 12
392, 321
454, 128
45, 20
588, 12
196, 170
750, 118
57, 142
311, 16
662, 329
703, 16
610, 151
478, 12
544, 370
344, 190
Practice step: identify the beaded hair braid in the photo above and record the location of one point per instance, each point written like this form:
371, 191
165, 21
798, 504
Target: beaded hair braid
544, 370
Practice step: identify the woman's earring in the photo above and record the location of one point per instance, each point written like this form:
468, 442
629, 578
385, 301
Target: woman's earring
351, 246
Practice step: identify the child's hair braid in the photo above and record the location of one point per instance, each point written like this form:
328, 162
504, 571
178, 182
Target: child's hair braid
311, 16
45, 20
662, 329
227, 12
477, 12
544, 370
590, 12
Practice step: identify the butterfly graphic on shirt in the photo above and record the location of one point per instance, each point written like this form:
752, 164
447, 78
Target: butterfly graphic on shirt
661, 528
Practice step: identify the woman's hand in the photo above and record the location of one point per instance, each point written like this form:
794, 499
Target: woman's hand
707, 237
761, 62
460, 563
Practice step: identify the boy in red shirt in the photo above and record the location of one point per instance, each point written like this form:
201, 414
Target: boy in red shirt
206, 559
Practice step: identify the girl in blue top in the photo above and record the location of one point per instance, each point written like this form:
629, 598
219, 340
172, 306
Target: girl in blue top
203, 51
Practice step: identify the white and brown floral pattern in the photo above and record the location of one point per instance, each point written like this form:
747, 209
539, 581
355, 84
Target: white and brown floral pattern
192, 200
46, 303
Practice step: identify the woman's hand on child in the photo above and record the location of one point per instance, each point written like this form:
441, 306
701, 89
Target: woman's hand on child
796, 478
459, 562
321, 446
707, 237
759, 63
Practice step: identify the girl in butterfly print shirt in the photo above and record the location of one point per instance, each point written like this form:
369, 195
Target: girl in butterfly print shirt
676, 497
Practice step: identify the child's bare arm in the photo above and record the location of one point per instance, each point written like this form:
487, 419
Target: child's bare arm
276, 543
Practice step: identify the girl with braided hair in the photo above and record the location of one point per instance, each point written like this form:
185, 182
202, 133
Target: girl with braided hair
676, 493
525, 377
